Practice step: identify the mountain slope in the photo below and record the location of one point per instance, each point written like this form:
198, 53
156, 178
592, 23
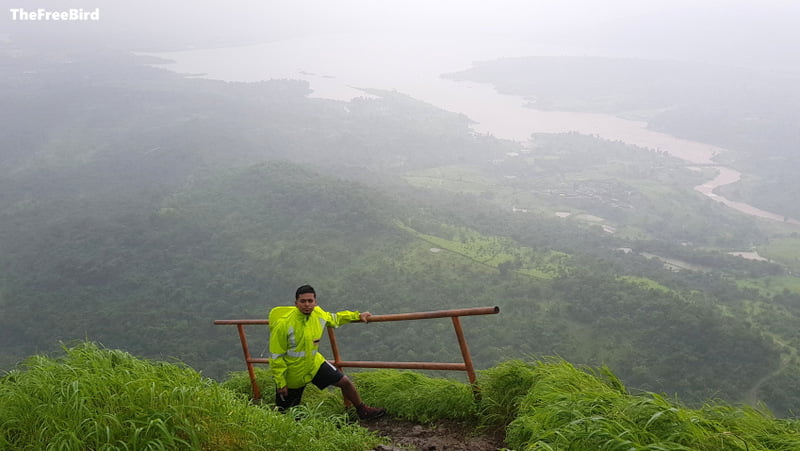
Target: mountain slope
144, 211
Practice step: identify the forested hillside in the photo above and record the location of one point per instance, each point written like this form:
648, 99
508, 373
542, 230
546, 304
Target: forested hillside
135, 214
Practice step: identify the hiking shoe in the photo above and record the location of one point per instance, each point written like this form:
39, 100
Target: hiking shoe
366, 412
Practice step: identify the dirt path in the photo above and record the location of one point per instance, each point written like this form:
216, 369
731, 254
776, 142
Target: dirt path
751, 397
408, 436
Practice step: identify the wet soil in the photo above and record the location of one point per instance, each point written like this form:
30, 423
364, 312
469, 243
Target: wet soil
408, 436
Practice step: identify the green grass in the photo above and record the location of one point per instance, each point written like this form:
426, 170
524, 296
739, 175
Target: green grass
569, 408
416, 397
93, 398
99, 399
554, 405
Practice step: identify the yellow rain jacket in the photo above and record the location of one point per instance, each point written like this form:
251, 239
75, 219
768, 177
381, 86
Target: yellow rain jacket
294, 342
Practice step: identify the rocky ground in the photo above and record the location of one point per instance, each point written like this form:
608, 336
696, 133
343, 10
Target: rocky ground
407, 436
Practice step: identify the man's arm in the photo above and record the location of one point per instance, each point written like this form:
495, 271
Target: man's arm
278, 346
344, 317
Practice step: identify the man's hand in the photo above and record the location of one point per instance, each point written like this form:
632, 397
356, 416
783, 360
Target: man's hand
283, 391
364, 317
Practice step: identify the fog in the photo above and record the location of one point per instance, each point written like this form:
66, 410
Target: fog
745, 32
337, 46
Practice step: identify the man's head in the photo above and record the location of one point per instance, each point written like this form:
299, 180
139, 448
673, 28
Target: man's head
305, 299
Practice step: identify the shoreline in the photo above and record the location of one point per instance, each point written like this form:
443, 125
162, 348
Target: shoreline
333, 67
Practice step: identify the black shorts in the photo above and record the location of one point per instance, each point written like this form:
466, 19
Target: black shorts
326, 375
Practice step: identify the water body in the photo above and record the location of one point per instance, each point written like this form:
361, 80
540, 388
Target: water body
727, 176
337, 66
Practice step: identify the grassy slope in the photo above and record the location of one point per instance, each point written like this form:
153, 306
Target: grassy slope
106, 399
94, 398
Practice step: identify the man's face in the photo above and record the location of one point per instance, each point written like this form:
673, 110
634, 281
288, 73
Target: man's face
306, 302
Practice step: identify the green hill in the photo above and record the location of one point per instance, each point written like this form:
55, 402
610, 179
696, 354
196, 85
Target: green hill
234, 245
96, 398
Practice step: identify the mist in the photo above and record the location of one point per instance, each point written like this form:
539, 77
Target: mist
740, 32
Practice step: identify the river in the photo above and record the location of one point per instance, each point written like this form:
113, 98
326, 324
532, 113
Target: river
336, 66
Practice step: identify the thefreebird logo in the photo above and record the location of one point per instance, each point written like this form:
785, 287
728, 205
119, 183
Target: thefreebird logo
47, 15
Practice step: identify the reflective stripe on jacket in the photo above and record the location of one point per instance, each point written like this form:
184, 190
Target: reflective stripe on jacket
294, 342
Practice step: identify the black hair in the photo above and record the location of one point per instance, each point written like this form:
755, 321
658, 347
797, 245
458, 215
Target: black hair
303, 290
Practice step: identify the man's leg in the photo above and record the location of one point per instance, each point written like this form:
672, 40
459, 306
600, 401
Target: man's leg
329, 375
349, 391
291, 399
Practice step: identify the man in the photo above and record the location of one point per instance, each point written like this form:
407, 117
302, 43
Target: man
295, 361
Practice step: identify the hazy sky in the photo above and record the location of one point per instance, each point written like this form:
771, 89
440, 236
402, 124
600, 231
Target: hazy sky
747, 30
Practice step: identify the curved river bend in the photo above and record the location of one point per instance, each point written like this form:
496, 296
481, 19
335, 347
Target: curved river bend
335, 66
